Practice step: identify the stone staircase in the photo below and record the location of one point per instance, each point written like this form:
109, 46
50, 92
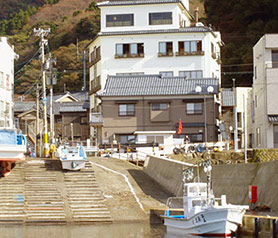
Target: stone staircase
38, 191
85, 199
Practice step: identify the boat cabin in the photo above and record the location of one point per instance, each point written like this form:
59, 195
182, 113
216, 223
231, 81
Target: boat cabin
194, 197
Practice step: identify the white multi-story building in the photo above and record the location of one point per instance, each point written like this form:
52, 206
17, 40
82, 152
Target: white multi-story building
265, 88
7, 58
151, 37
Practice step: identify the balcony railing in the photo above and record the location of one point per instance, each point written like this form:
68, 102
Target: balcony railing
165, 54
96, 119
180, 53
95, 85
139, 55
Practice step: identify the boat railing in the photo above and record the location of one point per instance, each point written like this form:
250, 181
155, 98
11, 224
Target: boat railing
173, 203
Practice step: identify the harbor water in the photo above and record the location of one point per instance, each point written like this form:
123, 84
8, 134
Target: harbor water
120, 230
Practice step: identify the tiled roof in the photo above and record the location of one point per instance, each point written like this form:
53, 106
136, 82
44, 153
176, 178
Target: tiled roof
144, 85
72, 107
228, 99
135, 2
24, 106
273, 118
161, 31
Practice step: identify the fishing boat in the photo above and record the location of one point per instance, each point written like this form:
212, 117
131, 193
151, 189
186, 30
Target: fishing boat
204, 215
12, 149
72, 157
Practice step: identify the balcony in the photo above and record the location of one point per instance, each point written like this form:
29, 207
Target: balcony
165, 54
96, 119
95, 85
139, 55
190, 53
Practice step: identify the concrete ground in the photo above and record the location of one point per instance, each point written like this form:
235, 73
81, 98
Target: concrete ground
119, 199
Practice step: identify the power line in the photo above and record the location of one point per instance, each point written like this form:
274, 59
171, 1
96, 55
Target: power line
27, 62
232, 65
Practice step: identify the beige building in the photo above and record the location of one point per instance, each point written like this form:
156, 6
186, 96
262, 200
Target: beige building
265, 88
243, 103
156, 103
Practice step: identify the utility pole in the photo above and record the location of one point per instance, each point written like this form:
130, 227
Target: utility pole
84, 58
235, 117
42, 34
37, 141
51, 80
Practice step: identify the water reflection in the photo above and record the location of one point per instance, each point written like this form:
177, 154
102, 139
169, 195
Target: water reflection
167, 235
137, 230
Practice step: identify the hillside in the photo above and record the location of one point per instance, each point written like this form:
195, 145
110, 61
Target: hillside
69, 20
240, 23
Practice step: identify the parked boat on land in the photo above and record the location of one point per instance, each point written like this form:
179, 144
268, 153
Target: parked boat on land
12, 149
203, 214
72, 157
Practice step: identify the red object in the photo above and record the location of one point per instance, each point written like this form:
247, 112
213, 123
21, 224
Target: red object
180, 127
253, 194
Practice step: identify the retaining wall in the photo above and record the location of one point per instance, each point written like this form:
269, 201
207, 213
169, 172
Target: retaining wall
232, 180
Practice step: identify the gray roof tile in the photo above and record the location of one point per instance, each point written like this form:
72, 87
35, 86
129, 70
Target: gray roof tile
135, 2
161, 31
155, 85
72, 107
24, 106
228, 99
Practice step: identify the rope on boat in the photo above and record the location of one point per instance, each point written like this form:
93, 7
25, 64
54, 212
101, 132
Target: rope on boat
127, 181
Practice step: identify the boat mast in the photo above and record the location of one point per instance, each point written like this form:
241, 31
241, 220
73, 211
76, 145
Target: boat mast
207, 170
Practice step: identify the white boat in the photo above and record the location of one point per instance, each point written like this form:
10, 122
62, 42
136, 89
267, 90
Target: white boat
72, 157
12, 149
203, 214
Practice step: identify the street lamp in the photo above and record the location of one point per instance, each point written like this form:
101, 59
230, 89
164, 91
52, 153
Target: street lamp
209, 89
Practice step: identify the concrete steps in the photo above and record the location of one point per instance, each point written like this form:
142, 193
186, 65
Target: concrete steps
37, 191
85, 199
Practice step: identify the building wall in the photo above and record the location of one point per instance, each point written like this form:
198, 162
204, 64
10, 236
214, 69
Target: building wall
115, 124
80, 130
151, 63
7, 57
141, 16
264, 90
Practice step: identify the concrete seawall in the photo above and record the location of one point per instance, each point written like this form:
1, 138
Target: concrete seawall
232, 180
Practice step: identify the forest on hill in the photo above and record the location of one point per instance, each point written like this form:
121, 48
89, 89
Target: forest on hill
241, 24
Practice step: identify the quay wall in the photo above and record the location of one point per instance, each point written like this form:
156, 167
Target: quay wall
232, 180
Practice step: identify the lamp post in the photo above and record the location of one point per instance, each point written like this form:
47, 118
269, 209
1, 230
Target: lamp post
209, 90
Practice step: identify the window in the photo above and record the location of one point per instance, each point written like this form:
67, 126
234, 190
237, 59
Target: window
2, 108
165, 49
126, 110
1, 79
190, 47
130, 74
274, 54
129, 50
8, 83
155, 139
95, 55
275, 128
166, 73
125, 139
213, 53
196, 137
83, 120
193, 74
258, 136
119, 20
194, 108
160, 106
160, 18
